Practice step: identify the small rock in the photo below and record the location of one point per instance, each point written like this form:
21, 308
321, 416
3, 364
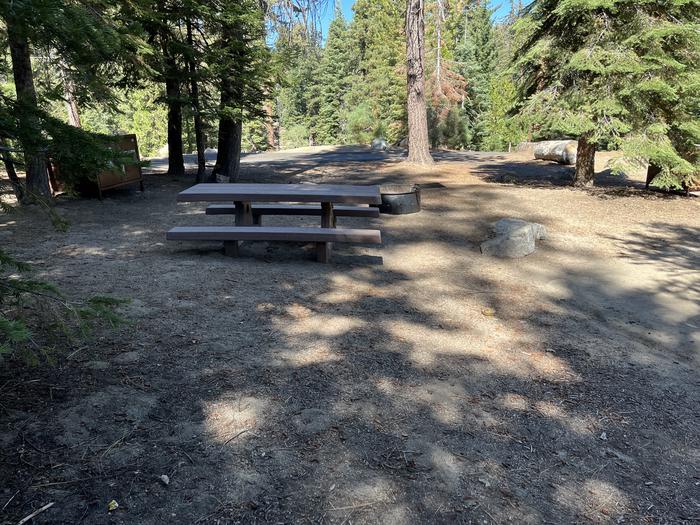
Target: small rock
604, 436
164, 479
379, 144
485, 482
97, 365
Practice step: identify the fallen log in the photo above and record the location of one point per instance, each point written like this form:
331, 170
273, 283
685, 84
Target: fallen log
561, 151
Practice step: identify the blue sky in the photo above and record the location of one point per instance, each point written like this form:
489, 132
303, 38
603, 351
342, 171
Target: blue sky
502, 9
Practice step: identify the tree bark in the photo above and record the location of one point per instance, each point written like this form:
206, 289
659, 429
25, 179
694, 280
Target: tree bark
194, 98
71, 102
585, 162
37, 178
17, 186
652, 171
228, 158
418, 139
271, 127
221, 146
176, 164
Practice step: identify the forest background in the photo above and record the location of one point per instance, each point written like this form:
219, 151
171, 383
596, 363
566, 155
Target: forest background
344, 82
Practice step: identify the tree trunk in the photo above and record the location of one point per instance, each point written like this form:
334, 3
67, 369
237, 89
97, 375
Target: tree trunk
418, 140
12, 173
221, 151
652, 171
176, 164
228, 158
37, 178
271, 127
585, 163
71, 102
194, 98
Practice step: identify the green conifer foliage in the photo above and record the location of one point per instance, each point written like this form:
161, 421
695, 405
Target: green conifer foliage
616, 73
476, 54
380, 82
333, 78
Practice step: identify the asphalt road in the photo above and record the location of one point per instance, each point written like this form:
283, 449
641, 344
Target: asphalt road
310, 157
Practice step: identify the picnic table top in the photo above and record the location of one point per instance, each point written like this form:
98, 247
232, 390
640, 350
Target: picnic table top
211, 192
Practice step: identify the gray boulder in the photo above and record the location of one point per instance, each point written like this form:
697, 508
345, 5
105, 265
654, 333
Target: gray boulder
514, 238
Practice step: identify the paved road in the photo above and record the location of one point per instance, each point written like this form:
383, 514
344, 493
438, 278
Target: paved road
307, 158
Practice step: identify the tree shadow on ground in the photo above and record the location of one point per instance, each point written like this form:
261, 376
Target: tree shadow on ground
429, 390
545, 174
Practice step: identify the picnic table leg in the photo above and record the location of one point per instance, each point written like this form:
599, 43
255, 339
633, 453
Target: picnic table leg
244, 213
244, 217
323, 249
231, 248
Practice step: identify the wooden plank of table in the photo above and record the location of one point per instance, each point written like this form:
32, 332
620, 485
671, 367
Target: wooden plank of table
281, 192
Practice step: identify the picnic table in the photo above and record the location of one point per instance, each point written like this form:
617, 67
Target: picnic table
240, 199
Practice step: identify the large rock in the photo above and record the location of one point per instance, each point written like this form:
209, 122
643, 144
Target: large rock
514, 238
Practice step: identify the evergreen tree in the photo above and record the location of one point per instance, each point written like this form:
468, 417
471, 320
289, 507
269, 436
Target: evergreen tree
297, 111
446, 87
241, 62
476, 54
333, 79
619, 73
94, 45
501, 128
662, 95
379, 86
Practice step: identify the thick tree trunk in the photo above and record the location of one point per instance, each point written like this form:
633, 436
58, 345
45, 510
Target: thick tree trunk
37, 178
652, 171
176, 164
228, 158
585, 163
418, 139
221, 148
194, 98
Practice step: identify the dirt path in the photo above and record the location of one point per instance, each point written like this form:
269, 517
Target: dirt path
417, 382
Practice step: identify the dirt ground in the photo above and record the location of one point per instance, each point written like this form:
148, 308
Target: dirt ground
413, 382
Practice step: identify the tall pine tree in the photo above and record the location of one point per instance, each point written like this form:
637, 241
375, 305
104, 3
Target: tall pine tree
333, 78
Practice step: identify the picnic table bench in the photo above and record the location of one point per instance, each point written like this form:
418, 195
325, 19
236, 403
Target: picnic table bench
248, 215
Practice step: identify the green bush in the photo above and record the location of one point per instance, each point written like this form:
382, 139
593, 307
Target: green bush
361, 125
295, 136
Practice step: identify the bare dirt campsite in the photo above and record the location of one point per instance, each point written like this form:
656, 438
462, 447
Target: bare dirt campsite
413, 382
